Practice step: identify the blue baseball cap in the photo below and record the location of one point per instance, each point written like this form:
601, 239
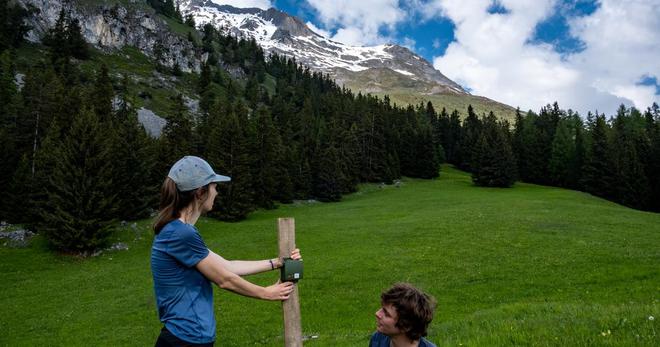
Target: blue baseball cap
192, 172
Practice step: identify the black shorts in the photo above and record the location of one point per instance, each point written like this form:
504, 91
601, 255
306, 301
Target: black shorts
167, 339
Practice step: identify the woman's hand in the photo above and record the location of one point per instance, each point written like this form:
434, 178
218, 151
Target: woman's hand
278, 291
295, 254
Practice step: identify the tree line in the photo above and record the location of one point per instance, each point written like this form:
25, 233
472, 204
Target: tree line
75, 158
616, 158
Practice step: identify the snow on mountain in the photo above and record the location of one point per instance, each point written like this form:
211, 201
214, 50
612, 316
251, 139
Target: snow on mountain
283, 34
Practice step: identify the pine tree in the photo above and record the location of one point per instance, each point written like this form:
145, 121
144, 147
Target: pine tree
562, 154
652, 117
56, 39
80, 189
9, 155
493, 162
76, 44
580, 154
103, 95
43, 104
176, 140
132, 160
630, 146
12, 24
469, 136
453, 145
597, 173
327, 180
228, 154
267, 157
426, 153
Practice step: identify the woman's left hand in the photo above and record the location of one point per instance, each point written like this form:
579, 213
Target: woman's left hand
295, 254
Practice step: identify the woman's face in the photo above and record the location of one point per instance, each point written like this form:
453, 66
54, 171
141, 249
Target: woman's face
207, 205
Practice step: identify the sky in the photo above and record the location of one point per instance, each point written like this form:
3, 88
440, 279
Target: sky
588, 55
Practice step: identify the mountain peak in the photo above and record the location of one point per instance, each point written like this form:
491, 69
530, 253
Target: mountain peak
278, 32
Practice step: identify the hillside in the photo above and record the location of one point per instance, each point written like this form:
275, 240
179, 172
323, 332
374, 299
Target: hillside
381, 70
404, 91
530, 265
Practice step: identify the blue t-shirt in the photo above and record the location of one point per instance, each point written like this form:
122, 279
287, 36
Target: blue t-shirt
183, 295
380, 340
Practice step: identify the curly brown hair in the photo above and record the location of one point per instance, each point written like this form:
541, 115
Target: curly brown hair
414, 308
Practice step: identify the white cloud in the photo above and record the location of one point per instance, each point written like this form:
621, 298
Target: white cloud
359, 22
409, 43
493, 57
262, 4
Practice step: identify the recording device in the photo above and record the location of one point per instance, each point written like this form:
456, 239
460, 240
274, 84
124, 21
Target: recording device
291, 270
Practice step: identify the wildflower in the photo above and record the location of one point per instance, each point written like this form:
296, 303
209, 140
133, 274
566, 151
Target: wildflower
651, 318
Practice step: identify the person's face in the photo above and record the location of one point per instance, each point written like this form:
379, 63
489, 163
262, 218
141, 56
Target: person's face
386, 319
207, 205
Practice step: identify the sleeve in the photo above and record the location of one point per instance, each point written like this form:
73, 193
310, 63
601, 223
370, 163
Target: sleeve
188, 248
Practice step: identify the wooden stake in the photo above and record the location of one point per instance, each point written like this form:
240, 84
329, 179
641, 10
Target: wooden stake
290, 307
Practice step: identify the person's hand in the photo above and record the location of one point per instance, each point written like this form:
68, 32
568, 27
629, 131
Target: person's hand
295, 254
279, 291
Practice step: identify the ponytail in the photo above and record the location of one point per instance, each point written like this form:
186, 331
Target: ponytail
172, 201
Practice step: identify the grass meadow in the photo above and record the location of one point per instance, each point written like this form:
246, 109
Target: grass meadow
526, 266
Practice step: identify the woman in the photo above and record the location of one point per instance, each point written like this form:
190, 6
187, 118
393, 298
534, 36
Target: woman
183, 267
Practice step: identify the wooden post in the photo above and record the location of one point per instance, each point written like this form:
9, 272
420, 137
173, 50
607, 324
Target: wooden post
290, 307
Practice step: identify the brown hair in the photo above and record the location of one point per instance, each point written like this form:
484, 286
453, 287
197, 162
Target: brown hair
172, 201
414, 308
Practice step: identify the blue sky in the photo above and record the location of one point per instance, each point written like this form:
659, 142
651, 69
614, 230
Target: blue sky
586, 54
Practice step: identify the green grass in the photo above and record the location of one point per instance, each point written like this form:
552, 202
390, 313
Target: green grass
530, 265
405, 91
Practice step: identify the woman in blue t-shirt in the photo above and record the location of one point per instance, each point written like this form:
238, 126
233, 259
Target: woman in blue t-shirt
184, 268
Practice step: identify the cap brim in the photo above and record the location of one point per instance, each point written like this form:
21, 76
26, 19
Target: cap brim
221, 178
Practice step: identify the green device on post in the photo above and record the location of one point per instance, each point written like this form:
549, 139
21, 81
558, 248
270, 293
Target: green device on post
291, 270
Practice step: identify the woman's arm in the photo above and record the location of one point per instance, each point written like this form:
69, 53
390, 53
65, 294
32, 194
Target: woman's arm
250, 267
212, 268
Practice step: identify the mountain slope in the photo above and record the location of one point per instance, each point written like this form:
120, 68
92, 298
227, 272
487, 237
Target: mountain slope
380, 70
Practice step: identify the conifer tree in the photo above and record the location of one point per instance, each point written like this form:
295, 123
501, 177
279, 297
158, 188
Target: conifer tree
630, 146
103, 95
79, 191
373, 150
493, 160
228, 153
426, 153
652, 117
132, 162
597, 173
56, 39
349, 153
9, 155
43, 104
76, 44
453, 146
267, 157
469, 136
19, 204
176, 140
562, 154
12, 24
580, 153
327, 181
407, 146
